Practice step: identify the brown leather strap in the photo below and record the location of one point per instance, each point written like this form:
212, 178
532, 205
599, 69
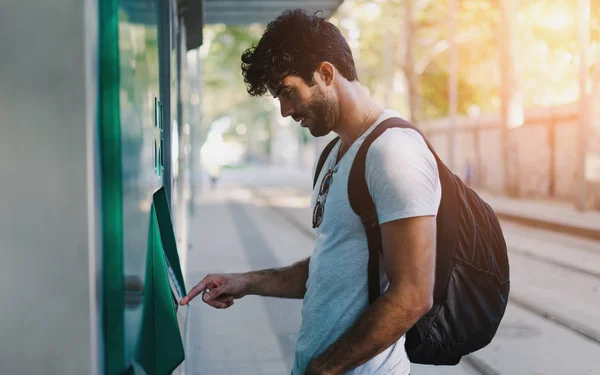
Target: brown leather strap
363, 205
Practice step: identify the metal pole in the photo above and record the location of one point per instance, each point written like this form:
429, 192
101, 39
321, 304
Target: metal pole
180, 131
193, 76
453, 84
583, 11
197, 130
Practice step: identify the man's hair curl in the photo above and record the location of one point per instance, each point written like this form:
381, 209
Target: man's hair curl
295, 43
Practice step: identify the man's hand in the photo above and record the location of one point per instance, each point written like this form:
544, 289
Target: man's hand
220, 290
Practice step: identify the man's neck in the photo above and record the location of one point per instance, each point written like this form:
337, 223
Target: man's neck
358, 112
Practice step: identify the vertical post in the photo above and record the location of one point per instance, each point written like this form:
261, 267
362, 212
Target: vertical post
409, 62
583, 12
164, 68
552, 146
194, 78
453, 84
113, 282
509, 93
201, 125
387, 68
180, 130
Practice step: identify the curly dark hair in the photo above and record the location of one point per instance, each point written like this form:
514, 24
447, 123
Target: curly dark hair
295, 43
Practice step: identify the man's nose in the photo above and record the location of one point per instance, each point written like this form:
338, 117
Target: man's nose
286, 109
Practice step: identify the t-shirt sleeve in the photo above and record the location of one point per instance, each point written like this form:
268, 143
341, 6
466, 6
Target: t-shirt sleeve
402, 176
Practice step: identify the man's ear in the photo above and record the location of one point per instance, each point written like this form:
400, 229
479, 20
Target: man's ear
326, 72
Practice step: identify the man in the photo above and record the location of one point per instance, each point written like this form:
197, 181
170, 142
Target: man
304, 61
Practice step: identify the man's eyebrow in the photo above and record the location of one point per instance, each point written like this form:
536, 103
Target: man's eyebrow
280, 89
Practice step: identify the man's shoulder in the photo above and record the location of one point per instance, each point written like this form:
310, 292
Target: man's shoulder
397, 141
401, 151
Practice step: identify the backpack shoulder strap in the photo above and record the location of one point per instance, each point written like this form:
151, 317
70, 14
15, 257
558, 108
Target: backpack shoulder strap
362, 204
357, 184
324, 154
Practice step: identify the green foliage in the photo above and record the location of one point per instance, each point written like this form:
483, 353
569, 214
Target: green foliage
546, 57
476, 43
224, 88
223, 84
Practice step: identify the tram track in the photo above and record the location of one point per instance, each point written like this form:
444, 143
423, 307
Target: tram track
581, 330
554, 262
473, 361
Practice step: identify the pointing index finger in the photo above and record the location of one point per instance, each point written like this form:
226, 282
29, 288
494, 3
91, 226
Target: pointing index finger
199, 288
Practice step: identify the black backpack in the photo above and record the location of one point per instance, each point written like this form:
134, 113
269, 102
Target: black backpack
472, 272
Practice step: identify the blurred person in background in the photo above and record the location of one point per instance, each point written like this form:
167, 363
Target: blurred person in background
211, 158
305, 62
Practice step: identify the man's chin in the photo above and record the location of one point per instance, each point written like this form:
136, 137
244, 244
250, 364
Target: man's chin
318, 132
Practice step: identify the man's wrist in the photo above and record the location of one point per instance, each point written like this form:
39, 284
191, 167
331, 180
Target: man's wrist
251, 280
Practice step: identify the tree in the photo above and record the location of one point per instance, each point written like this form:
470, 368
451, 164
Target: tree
421, 54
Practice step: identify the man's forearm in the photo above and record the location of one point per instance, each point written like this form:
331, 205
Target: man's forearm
286, 282
380, 326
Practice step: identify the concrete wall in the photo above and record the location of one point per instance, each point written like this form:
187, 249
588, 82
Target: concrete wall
545, 150
49, 223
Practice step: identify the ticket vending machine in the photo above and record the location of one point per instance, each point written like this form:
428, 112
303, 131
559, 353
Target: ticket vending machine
143, 327
89, 257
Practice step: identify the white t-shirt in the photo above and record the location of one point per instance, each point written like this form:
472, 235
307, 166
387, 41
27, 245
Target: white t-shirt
403, 180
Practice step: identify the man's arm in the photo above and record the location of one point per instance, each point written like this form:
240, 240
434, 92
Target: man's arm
220, 290
286, 282
409, 259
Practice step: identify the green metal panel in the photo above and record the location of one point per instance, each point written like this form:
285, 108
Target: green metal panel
163, 214
161, 347
112, 219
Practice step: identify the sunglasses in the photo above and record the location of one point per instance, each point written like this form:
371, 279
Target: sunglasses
319, 210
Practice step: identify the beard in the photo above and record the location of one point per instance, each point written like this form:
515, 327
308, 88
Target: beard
319, 115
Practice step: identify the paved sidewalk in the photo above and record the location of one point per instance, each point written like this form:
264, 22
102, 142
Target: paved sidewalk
552, 215
256, 336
